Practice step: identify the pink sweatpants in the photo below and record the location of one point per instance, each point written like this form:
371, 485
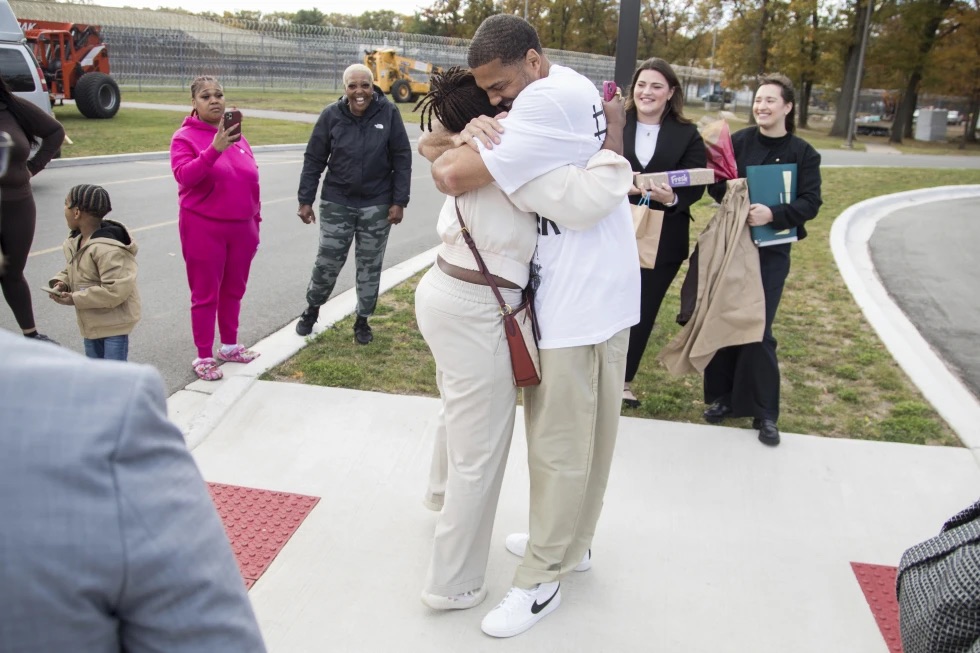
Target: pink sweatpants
218, 255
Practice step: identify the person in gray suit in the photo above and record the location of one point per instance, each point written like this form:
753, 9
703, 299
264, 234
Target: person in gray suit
109, 541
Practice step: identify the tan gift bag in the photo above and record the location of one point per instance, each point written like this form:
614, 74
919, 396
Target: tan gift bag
647, 224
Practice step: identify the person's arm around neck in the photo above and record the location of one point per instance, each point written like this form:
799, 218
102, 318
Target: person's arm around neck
435, 143
460, 170
580, 198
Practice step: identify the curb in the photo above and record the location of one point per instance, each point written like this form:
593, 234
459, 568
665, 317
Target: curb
201, 405
849, 238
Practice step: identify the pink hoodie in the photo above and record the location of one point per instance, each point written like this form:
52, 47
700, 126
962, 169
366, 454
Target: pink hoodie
212, 184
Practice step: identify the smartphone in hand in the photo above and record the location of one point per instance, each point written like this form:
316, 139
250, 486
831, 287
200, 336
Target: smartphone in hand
608, 91
52, 291
233, 117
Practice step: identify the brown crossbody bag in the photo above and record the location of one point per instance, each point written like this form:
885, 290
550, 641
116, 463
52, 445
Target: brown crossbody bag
520, 327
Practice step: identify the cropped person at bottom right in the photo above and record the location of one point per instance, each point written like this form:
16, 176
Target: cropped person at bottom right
743, 381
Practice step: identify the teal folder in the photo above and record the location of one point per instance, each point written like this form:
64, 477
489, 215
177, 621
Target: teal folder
772, 185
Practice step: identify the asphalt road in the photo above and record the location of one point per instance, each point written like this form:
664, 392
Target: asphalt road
926, 258
144, 198
870, 159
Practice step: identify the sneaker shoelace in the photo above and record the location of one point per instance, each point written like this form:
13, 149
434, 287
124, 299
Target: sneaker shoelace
521, 596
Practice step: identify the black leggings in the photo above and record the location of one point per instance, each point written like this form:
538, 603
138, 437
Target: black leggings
17, 218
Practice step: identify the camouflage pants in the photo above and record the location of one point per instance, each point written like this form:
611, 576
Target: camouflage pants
339, 225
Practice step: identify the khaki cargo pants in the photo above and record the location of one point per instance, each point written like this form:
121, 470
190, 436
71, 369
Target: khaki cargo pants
571, 420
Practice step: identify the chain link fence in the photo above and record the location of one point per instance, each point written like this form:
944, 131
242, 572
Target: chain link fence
163, 49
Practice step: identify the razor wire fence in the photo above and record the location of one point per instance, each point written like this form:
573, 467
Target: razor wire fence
164, 49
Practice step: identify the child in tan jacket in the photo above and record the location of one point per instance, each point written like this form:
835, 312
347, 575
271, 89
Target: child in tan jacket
99, 279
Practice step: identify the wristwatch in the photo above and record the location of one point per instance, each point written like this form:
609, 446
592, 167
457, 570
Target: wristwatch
674, 202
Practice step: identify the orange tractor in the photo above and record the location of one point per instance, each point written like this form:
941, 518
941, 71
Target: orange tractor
75, 63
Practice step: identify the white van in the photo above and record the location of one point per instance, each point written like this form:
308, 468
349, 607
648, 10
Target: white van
17, 63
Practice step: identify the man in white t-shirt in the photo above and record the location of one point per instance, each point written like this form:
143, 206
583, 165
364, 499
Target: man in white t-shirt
587, 300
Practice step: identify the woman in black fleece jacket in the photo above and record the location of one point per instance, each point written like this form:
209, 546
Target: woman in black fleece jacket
361, 141
743, 381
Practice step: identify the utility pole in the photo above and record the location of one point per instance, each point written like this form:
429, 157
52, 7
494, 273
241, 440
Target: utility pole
857, 80
525, 9
626, 43
711, 71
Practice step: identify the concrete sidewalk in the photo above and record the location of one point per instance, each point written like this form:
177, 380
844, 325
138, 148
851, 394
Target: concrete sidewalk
708, 540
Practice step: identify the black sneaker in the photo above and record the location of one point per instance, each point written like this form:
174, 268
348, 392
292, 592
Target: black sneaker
362, 331
306, 321
40, 337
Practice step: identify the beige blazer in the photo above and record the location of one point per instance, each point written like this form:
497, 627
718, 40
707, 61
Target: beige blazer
731, 307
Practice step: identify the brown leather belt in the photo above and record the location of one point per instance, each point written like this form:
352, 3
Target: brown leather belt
472, 276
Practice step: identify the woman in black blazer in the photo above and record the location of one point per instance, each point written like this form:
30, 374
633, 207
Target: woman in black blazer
659, 138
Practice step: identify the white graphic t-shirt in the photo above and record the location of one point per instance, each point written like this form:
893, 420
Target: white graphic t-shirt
589, 279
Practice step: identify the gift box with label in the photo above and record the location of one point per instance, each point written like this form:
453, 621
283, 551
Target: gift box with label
675, 178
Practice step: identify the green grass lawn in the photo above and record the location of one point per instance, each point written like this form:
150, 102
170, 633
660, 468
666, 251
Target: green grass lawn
136, 130
303, 102
838, 380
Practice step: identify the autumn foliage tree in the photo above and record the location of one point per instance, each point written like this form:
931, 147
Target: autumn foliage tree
954, 67
927, 45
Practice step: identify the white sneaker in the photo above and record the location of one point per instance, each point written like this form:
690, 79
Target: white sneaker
462, 601
521, 609
516, 543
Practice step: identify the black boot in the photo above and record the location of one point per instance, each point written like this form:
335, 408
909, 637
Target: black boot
716, 412
306, 321
362, 331
768, 432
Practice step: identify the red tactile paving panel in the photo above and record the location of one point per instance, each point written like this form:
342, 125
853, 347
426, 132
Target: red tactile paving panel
258, 523
878, 584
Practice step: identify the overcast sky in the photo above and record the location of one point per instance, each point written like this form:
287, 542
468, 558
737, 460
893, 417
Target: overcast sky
407, 7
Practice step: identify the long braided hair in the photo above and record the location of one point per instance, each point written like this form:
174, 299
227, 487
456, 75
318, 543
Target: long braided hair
454, 99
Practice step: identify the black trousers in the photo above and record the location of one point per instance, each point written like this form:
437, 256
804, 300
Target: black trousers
653, 287
17, 219
746, 377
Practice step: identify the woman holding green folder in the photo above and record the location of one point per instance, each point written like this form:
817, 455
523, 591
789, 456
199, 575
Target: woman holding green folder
743, 381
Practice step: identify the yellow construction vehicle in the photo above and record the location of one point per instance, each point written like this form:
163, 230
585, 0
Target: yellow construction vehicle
403, 78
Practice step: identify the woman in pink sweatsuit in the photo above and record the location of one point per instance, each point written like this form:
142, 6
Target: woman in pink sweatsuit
218, 190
